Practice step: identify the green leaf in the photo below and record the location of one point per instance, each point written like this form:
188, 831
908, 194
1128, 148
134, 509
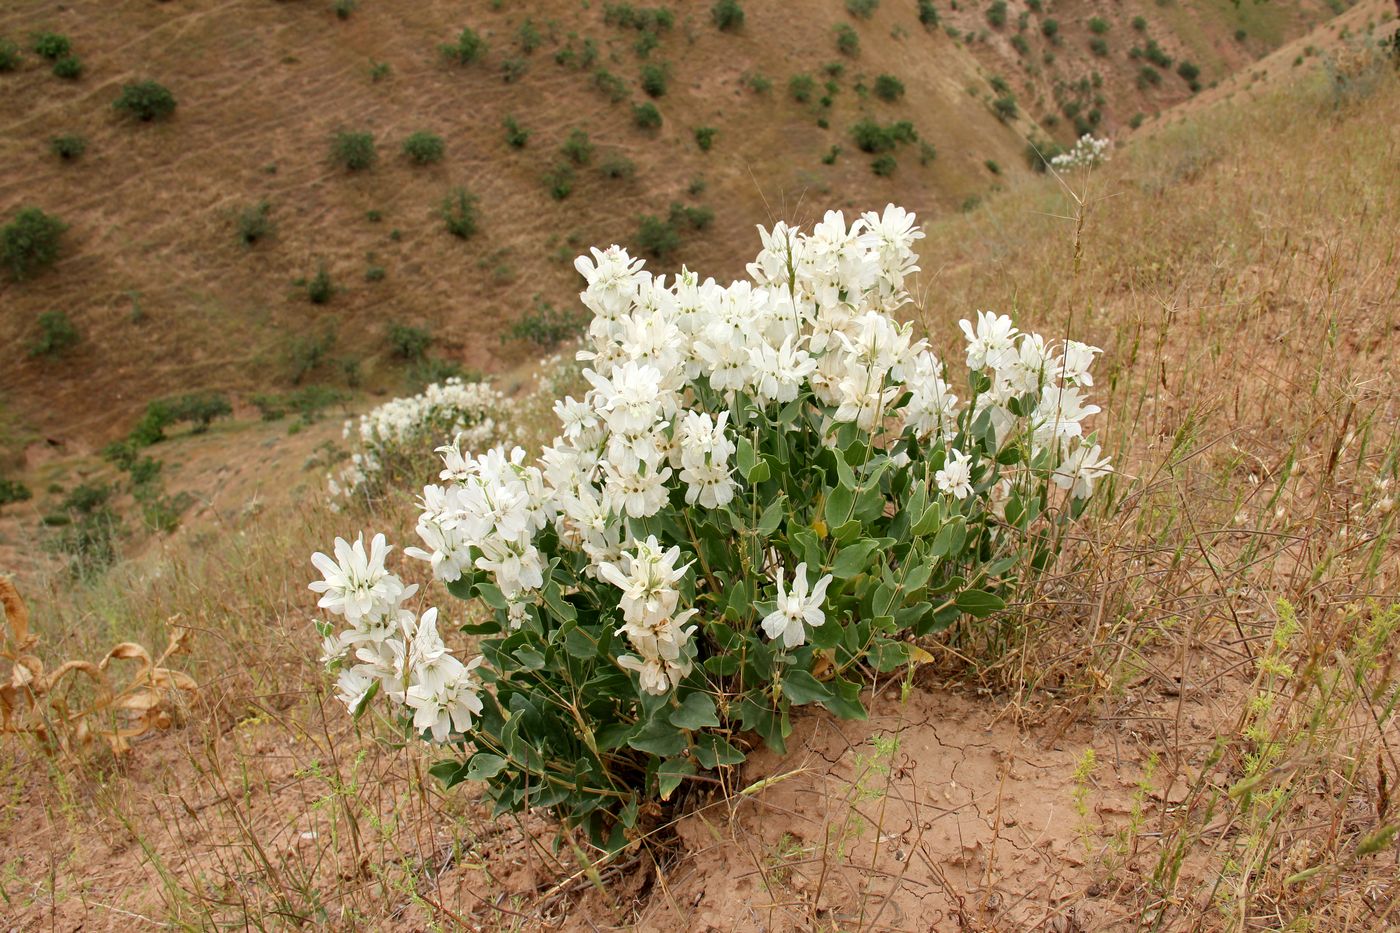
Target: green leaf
449, 771
365, 700
579, 645
761, 472
888, 655
745, 458
845, 700
658, 737
979, 603
852, 559
697, 712
839, 502
928, 522
847, 532
671, 773
529, 658
491, 594
555, 601
801, 687
484, 766
771, 518
712, 751
722, 665
950, 538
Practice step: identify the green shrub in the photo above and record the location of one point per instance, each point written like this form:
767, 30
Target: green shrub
319, 288
1050, 29
146, 101
57, 333
254, 224
756, 81
9, 55
654, 79
728, 15
12, 490
528, 37
516, 137
408, 342
871, 137
1098, 25
559, 181
459, 214
862, 9
646, 116
68, 147
1019, 43
199, 409
1188, 71
610, 84
801, 87
831, 155
618, 166
29, 242
353, 152
927, 153
375, 274
378, 71
343, 8
847, 40
576, 148
51, 45
993, 166
306, 352
696, 218
547, 326
1039, 153
705, 137
1240, 34
884, 165
889, 88
512, 69
657, 237
1005, 107
1148, 77
928, 14
1140, 24
423, 148
1157, 55
69, 67
467, 49
1099, 46
1137, 120
996, 14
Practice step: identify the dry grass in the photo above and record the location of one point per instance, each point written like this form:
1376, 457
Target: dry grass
1188, 725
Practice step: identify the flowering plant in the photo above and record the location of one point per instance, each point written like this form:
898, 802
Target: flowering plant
1087, 152
768, 491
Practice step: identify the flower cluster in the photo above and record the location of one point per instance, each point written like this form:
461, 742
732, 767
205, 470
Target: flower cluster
395, 652
473, 413
1087, 152
760, 493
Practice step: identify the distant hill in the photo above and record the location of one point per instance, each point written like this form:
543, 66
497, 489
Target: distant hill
166, 298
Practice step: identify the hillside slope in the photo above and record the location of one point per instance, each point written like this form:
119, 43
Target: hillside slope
167, 300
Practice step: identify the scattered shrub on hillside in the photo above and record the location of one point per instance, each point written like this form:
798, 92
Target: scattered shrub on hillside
714, 524
645, 19
1099, 46
646, 116
1041, 153
69, 67
559, 181
862, 9
884, 165
1140, 23
319, 288
1156, 54
528, 37
12, 491
705, 137
1019, 43
305, 353
654, 79
657, 237
467, 49
254, 224
1098, 25
29, 242
1148, 77
51, 45
146, 101
1240, 34
57, 333
516, 137
728, 15
1188, 71
1005, 107
354, 152
577, 148
697, 186
68, 147
198, 409
613, 87
512, 69
847, 40
378, 71
343, 8
409, 342
696, 218
547, 326
459, 214
801, 87
993, 166
375, 274
928, 14
927, 152
889, 88
996, 14
423, 148
831, 155
618, 166
9, 55
308, 402
90, 528
1050, 29
872, 137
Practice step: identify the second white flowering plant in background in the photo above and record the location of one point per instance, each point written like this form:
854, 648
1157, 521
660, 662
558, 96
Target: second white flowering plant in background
768, 492
1087, 152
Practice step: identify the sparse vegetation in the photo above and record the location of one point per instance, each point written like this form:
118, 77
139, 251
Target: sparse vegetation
319, 288
254, 223
12, 491
646, 116
408, 342
69, 146
9, 55
657, 237
69, 67
459, 213
996, 14
577, 148
468, 48
343, 8
516, 136
654, 79
51, 45
423, 148
928, 14
705, 137
353, 151
147, 101
889, 88
613, 87
728, 15
873, 137
29, 242
618, 167
884, 165
57, 334
559, 181
862, 9
547, 326
801, 87
847, 40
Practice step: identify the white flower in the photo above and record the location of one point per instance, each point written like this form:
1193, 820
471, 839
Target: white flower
446, 701
955, 478
356, 584
796, 609
990, 344
1080, 469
